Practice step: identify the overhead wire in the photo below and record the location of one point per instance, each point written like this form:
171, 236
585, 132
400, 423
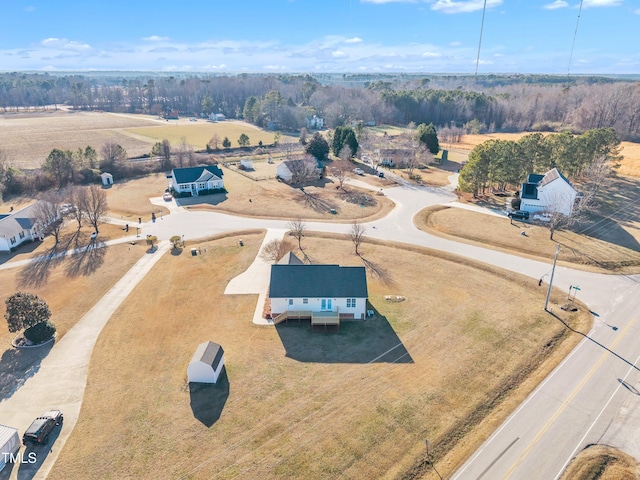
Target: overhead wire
573, 43
484, 9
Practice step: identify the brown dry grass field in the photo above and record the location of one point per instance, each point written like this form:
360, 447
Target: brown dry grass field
29, 138
273, 199
70, 285
129, 199
603, 463
357, 403
199, 133
500, 233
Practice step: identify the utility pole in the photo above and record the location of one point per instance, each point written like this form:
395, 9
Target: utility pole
553, 270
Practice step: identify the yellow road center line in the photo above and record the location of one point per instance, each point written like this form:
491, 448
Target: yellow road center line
566, 403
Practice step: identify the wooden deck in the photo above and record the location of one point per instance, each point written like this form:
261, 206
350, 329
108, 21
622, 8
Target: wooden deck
317, 318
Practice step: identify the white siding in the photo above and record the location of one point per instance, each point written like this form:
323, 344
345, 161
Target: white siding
283, 172
279, 305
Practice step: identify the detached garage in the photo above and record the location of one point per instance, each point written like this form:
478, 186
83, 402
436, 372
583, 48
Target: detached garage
207, 363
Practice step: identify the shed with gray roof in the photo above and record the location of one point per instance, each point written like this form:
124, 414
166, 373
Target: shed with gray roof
206, 364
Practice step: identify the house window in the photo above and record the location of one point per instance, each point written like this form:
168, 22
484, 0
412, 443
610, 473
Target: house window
291, 301
351, 303
305, 300
21, 234
13, 240
184, 187
202, 186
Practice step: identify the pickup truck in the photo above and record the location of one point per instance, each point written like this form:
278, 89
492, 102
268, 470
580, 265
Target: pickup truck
519, 215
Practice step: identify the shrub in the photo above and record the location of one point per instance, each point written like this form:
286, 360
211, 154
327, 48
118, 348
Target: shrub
40, 332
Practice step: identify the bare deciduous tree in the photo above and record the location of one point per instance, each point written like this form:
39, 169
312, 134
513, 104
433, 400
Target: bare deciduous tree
275, 250
341, 170
76, 196
112, 154
297, 228
357, 235
48, 216
94, 205
303, 170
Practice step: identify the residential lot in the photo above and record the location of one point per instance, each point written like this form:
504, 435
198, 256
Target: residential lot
274, 199
618, 252
70, 285
293, 404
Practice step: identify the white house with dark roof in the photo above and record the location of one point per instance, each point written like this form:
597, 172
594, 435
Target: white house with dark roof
197, 180
548, 193
206, 364
19, 227
324, 293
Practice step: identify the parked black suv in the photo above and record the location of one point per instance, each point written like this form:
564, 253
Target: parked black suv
519, 215
41, 427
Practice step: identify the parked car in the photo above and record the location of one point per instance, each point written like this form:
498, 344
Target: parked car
381, 174
41, 427
519, 215
358, 171
167, 197
542, 216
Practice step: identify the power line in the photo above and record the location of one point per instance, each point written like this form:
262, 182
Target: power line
484, 8
575, 34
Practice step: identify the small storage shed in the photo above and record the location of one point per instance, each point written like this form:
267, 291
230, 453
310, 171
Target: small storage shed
246, 163
107, 179
9, 444
207, 363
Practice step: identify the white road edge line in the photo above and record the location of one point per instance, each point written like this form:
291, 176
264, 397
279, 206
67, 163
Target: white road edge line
596, 420
522, 405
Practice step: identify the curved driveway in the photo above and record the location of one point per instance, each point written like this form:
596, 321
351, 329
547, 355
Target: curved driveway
593, 396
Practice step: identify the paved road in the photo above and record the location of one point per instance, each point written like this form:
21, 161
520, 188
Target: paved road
560, 417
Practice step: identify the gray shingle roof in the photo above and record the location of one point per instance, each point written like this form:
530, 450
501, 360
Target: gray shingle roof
329, 281
21, 220
209, 353
195, 174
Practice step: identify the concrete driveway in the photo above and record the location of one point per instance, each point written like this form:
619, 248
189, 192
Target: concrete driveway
62, 376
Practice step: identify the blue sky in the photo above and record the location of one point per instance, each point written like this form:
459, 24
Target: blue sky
426, 36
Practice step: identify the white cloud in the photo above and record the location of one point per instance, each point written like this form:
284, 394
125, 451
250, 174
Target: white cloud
555, 5
281, 68
601, 3
455, 44
353, 40
338, 54
155, 38
64, 44
431, 54
637, 11
463, 6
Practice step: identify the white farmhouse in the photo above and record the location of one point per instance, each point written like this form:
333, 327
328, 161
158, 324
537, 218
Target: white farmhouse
315, 123
196, 180
19, 227
548, 193
299, 170
326, 294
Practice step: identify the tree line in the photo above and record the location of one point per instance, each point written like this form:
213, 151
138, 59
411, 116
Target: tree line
282, 102
503, 163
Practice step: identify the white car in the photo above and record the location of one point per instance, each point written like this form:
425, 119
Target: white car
358, 171
542, 217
